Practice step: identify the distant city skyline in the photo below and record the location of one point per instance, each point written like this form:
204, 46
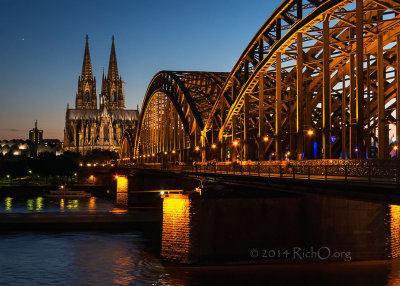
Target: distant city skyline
42, 48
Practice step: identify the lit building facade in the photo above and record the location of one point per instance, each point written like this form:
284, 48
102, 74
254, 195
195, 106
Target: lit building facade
89, 127
36, 135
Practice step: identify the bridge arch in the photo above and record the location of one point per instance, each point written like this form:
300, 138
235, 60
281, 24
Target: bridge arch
126, 151
172, 115
320, 79
307, 86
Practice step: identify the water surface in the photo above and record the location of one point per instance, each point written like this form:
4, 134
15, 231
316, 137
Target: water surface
94, 258
54, 205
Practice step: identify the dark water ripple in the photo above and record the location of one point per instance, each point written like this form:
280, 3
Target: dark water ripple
78, 259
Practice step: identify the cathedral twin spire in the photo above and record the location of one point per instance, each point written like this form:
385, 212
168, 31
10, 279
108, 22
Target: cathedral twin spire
87, 65
112, 66
112, 92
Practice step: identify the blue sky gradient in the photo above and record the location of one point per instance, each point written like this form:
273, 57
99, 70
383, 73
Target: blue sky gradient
42, 45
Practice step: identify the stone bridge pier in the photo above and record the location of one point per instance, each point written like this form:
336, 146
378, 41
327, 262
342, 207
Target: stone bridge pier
290, 229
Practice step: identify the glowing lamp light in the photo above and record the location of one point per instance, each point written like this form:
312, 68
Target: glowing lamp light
197, 148
148, 155
395, 147
80, 164
165, 153
153, 154
8, 176
235, 143
173, 151
265, 139
30, 171
310, 132
88, 164
162, 193
116, 177
213, 146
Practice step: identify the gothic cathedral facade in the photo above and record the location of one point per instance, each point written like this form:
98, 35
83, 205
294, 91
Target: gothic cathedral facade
91, 126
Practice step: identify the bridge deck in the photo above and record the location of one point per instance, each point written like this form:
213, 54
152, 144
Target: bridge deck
344, 174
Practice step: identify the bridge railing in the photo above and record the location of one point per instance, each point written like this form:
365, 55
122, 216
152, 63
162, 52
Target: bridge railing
362, 173
355, 171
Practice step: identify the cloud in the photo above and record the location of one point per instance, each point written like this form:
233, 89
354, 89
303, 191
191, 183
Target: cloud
11, 129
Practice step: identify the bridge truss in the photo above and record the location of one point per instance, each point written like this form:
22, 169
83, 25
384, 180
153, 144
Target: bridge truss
320, 79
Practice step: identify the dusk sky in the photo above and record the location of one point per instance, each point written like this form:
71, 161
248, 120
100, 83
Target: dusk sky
42, 46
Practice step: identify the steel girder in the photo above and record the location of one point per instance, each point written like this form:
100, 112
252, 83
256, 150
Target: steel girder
175, 106
126, 152
301, 59
317, 72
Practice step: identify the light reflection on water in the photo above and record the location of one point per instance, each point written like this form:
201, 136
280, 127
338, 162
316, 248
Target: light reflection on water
41, 204
29, 205
77, 259
90, 258
8, 204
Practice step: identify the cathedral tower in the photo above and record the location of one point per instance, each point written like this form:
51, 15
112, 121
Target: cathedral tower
86, 97
112, 87
88, 127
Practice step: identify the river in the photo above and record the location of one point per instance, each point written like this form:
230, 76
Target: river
98, 258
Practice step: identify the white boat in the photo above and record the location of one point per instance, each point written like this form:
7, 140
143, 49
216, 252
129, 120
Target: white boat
64, 192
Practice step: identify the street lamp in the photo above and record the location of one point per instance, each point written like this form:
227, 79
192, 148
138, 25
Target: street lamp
197, 148
265, 139
213, 146
235, 144
310, 132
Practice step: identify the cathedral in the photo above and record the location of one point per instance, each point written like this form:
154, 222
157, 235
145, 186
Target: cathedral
98, 126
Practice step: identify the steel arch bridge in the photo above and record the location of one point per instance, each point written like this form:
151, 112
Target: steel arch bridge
320, 79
